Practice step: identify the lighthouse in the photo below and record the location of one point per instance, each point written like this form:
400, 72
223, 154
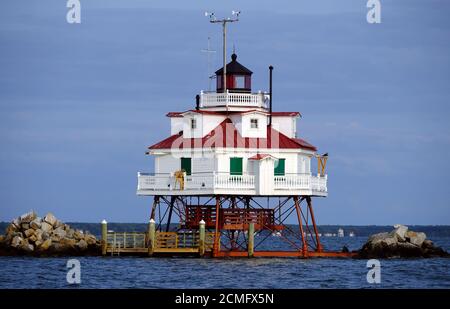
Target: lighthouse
231, 167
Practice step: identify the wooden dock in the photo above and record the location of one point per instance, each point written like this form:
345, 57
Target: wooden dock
165, 243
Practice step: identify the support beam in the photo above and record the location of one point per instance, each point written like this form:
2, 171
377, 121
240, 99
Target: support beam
251, 239
233, 232
155, 203
169, 218
300, 224
309, 202
216, 247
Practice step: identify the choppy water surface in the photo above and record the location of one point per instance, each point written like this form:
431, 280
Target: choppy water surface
138, 272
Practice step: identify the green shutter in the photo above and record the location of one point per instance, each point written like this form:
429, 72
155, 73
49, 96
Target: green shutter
235, 166
186, 165
279, 167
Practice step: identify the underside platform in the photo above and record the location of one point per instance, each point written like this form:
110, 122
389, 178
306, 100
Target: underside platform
224, 226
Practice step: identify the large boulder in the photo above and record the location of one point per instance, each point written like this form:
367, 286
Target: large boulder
46, 227
27, 217
45, 245
390, 241
36, 223
416, 238
50, 219
68, 243
70, 233
16, 242
12, 228
78, 235
26, 247
58, 224
28, 233
32, 238
82, 245
59, 232
90, 239
378, 237
399, 232
38, 234
16, 223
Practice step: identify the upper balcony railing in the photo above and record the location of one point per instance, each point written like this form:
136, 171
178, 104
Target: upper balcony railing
232, 99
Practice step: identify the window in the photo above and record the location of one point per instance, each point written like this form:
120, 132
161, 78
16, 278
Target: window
239, 82
186, 165
219, 81
193, 123
254, 123
235, 166
279, 169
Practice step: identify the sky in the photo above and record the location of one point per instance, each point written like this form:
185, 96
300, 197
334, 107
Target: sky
79, 103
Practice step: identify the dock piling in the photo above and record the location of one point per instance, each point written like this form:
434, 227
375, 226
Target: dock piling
202, 238
104, 236
251, 238
151, 236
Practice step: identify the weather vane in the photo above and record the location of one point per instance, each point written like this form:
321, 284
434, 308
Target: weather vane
224, 21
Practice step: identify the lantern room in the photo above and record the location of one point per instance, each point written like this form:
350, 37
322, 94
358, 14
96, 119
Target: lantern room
239, 78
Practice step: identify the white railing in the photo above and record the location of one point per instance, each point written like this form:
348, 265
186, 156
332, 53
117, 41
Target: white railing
155, 182
199, 182
206, 181
213, 99
211, 181
296, 181
301, 182
319, 183
237, 182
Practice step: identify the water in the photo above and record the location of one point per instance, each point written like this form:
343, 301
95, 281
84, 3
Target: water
139, 272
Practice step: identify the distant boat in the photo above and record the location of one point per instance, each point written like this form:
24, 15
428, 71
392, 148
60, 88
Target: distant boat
351, 234
276, 234
340, 233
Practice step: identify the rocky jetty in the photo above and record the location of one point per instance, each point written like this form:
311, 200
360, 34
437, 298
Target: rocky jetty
47, 236
401, 243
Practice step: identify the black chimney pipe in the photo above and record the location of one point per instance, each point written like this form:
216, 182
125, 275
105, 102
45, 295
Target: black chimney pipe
197, 102
270, 94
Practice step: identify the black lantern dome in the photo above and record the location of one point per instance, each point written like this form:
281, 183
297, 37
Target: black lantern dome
239, 78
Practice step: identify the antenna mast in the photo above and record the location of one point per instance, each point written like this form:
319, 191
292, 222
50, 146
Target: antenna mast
209, 51
224, 21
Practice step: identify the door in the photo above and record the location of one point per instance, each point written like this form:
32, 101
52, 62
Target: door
235, 166
186, 164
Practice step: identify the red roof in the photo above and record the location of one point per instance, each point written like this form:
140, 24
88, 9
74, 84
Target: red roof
261, 156
223, 113
174, 114
281, 114
227, 136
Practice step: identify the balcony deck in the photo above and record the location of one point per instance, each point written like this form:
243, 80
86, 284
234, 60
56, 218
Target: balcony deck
237, 100
222, 183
